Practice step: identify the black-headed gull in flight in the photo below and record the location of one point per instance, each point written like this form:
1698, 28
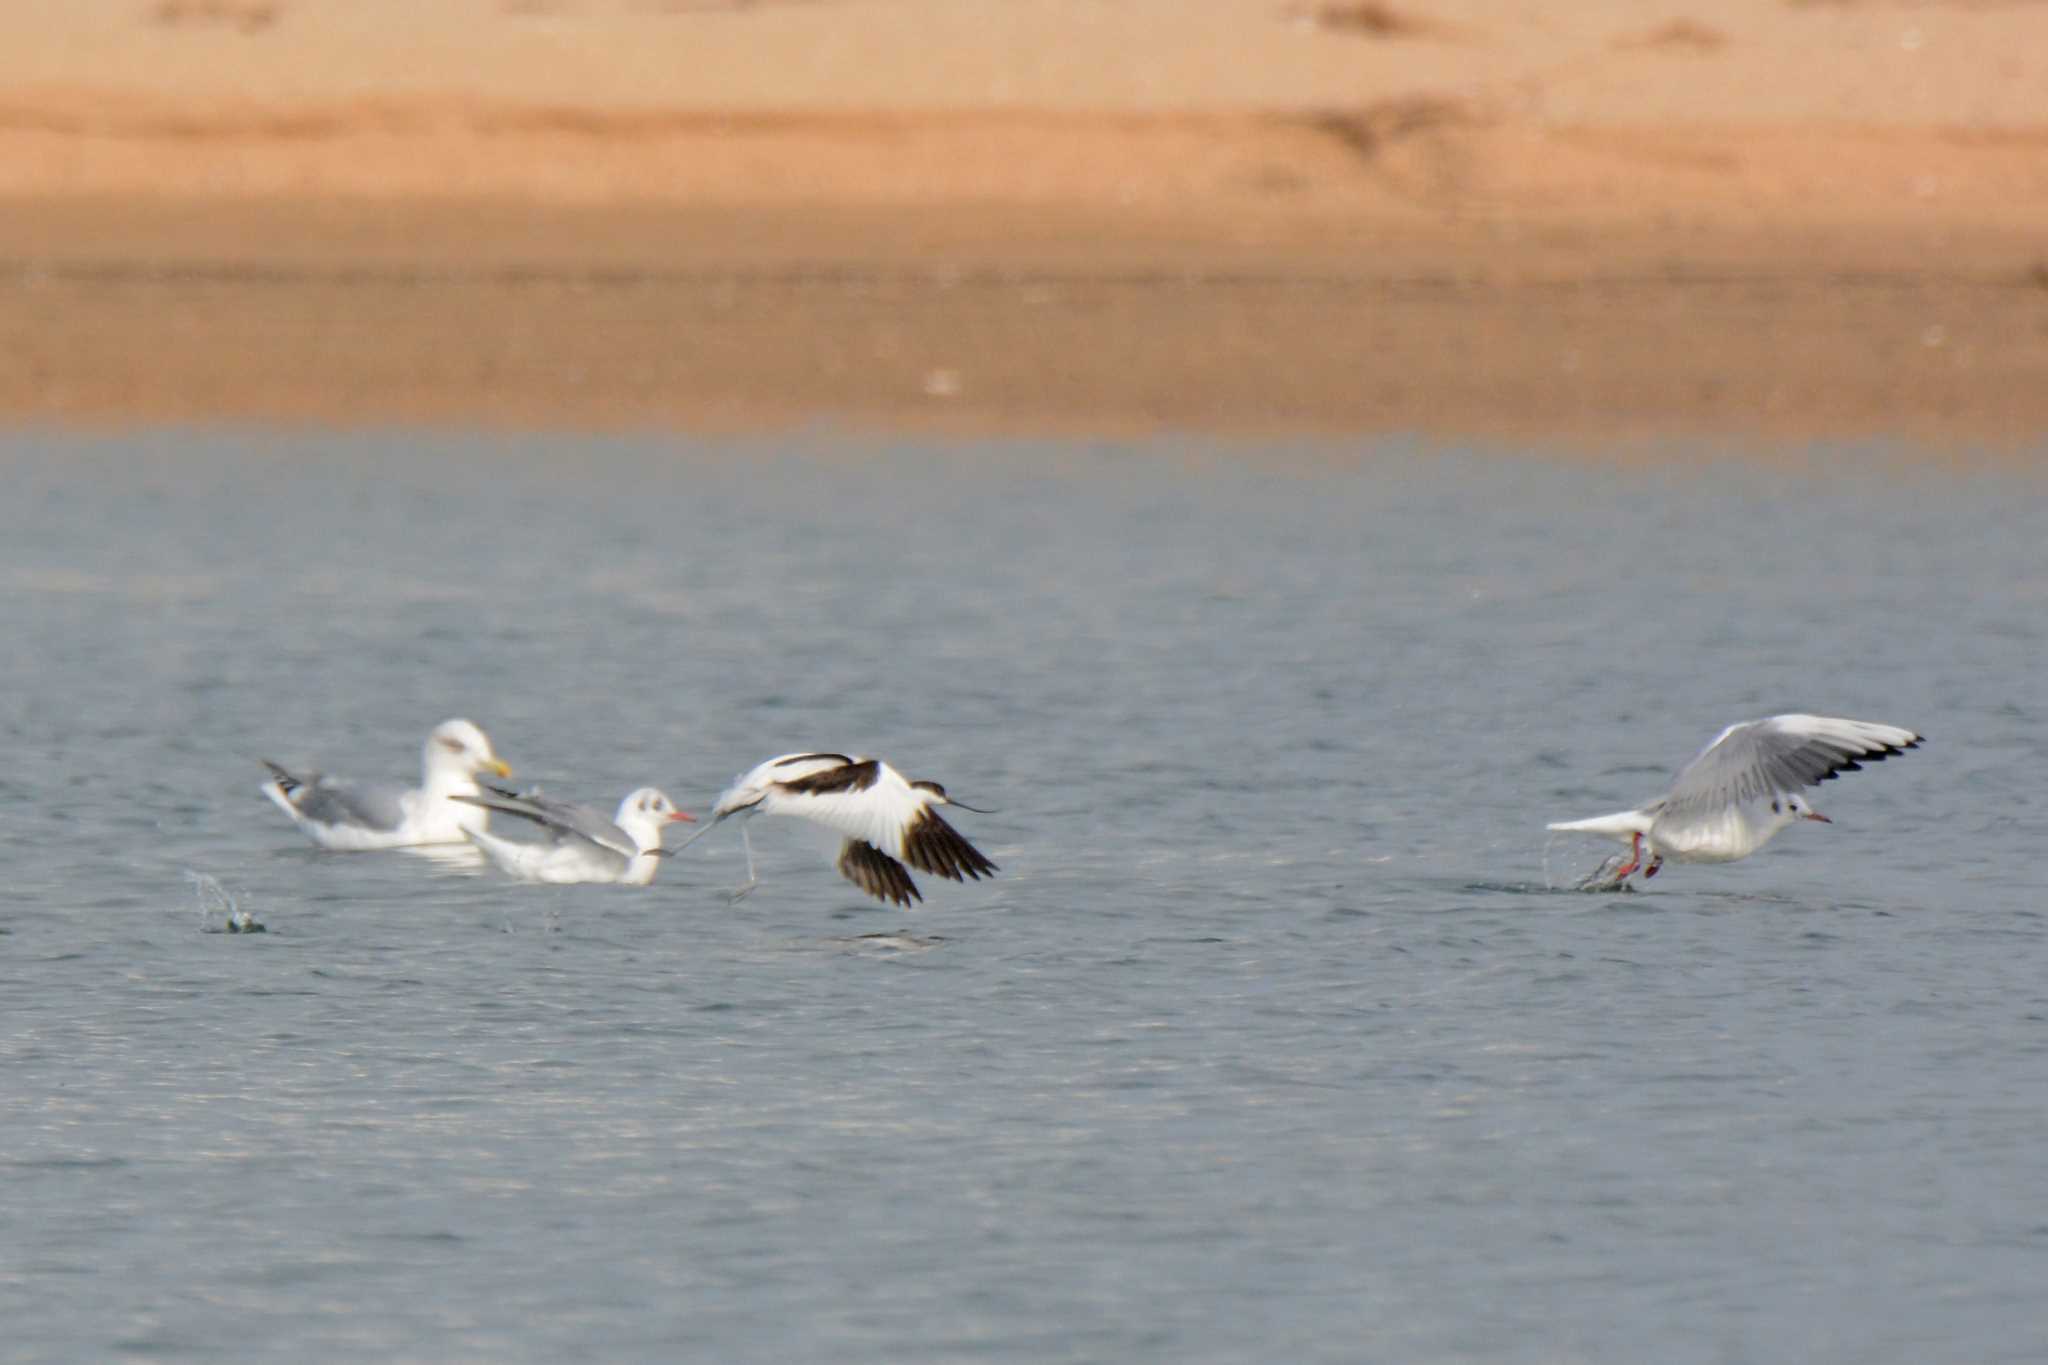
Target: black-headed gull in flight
887, 820
339, 814
583, 846
1742, 789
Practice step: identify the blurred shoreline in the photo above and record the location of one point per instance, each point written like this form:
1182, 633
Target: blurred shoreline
1423, 257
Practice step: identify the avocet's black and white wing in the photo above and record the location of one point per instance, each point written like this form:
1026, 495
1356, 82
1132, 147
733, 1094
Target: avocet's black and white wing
869, 801
886, 819
876, 873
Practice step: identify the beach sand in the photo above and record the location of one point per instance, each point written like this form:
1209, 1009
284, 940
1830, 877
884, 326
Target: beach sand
1601, 223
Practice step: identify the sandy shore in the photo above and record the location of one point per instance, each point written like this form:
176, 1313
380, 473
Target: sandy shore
1767, 219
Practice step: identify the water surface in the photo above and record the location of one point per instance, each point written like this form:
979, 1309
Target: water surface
1269, 1042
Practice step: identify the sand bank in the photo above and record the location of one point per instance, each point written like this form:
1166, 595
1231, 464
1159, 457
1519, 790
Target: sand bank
1780, 219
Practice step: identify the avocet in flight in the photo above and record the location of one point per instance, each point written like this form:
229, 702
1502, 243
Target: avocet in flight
886, 819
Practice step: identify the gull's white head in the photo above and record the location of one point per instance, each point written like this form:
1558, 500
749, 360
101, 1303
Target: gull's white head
644, 814
459, 747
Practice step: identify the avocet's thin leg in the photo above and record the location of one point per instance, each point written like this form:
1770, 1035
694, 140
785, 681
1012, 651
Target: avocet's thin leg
752, 881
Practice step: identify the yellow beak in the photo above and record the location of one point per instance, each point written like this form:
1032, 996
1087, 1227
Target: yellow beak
497, 765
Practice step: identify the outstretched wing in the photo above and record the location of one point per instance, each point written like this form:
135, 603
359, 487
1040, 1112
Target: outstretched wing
1778, 756
876, 873
561, 818
886, 820
931, 845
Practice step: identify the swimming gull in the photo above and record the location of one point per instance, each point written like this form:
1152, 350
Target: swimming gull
340, 814
583, 846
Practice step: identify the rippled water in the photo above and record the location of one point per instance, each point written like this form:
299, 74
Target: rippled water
1268, 1043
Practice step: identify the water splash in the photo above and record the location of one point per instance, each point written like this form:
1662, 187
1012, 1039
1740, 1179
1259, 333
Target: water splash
219, 912
1602, 878
1606, 877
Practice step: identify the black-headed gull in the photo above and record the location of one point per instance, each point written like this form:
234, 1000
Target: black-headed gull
887, 820
339, 814
583, 845
1742, 789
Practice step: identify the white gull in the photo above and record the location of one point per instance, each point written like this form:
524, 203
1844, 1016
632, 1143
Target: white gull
339, 814
583, 846
1741, 790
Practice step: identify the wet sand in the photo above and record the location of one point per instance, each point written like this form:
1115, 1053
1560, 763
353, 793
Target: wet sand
1447, 253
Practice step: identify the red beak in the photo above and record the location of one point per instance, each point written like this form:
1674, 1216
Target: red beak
1816, 815
684, 815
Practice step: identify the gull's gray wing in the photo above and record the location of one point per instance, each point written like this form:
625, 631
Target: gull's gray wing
333, 801
563, 819
1777, 756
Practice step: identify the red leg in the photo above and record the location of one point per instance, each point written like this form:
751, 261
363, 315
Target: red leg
1651, 870
1635, 856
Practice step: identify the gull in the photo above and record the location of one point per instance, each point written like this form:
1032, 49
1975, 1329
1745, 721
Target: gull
887, 820
339, 814
583, 846
1742, 789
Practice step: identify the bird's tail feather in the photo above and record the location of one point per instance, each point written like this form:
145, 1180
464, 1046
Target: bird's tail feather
1620, 825
279, 790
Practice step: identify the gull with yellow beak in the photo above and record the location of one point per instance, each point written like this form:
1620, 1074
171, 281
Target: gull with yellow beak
340, 814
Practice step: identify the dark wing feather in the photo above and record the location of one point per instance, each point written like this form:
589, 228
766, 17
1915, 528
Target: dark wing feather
287, 780
931, 845
876, 873
847, 777
793, 759
1854, 764
1781, 754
